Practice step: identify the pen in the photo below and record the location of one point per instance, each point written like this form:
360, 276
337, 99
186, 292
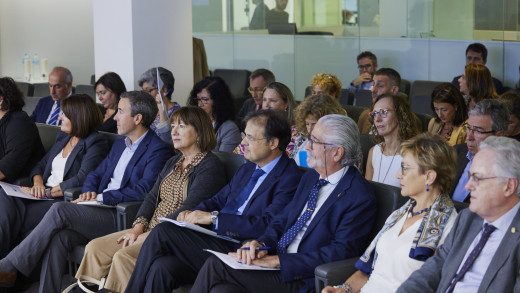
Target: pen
258, 248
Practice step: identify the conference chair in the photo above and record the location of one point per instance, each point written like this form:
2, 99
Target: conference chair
236, 79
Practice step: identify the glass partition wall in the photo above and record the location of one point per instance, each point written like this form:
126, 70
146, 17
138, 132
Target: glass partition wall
421, 39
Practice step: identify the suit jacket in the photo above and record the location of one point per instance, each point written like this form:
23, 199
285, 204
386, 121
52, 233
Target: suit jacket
338, 231
228, 137
20, 145
436, 274
42, 110
499, 87
85, 157
462, 161
140, 173
204, 180
275, 192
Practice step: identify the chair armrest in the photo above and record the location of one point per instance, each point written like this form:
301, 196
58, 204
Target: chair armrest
72, 193
334, 273
126, 212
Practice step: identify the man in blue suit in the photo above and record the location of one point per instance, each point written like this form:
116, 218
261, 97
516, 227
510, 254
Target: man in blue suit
127, 173
48, 108
172, 256
329, 219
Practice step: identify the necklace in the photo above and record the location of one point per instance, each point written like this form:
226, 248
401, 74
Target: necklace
72, 144
389, 167
447, 136
411, 212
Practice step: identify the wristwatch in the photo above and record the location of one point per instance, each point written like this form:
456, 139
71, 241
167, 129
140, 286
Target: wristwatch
213, 215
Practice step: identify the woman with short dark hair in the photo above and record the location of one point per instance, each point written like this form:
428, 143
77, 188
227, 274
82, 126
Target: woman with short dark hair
77, 150
109, 88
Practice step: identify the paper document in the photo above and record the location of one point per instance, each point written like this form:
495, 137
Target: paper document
16, 191
198, 229
95, 203
234, 263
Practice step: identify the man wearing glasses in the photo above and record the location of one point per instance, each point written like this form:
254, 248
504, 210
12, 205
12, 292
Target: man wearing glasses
328, 219
367, 65
481, 253
172, 256
487, 118
258, 81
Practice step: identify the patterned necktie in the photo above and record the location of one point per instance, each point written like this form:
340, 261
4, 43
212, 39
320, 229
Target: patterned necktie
488, 229
55, 115
237, 202
289, 236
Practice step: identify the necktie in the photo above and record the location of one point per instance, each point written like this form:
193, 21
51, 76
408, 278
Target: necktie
289, 236
488, 229
237, 202
55, 115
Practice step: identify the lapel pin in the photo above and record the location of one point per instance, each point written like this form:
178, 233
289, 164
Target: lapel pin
513, 230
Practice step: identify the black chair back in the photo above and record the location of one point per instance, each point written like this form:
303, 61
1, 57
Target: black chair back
47, 134
236, 79
231, 161
354, 111
363, 98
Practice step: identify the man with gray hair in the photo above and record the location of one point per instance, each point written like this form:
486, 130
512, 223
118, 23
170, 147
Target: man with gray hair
329, 219
487, 118
48, 109
481, 252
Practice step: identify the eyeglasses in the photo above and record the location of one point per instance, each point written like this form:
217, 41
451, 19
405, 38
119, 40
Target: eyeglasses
382, 112
256, 90
404, 169
312, 142
203, 100
476, 132
150, 90
477, 179
250, 138
366, 66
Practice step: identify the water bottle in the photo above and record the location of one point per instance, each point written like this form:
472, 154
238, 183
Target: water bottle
27, 67
36, 72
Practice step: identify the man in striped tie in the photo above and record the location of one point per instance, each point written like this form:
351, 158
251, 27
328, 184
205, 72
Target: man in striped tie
48, 109
482, 251
329, 219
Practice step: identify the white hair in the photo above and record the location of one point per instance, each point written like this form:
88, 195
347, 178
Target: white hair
507, 156
343, 131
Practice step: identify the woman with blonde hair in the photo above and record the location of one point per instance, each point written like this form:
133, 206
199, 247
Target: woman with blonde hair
412, 233
326, 83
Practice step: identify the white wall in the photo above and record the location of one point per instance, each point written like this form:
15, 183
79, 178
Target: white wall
59, 30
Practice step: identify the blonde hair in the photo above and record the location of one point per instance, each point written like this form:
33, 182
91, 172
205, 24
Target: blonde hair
328, 83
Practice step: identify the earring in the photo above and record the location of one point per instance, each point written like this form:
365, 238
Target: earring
427, 189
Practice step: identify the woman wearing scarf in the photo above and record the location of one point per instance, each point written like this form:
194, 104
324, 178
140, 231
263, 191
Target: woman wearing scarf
413, 232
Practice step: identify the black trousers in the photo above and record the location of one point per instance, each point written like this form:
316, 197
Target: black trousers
217, 277
172, 256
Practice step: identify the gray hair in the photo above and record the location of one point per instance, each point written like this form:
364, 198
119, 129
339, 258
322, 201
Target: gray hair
496, 110
142, 103
344, 132
166, 76
507, 156
66, 72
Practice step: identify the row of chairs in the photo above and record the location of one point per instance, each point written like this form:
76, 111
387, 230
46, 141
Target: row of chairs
42, 89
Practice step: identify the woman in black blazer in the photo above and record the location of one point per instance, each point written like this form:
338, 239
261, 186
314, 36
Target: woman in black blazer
78, 149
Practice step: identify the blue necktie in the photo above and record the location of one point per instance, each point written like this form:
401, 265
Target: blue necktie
237, 202
488, 229
289, 236
55, 115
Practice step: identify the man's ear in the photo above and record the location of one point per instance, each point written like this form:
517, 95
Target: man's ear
273, 143
138, 118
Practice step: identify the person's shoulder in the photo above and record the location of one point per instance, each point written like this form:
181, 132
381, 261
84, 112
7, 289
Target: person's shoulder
461, 148
20, 117
44, 100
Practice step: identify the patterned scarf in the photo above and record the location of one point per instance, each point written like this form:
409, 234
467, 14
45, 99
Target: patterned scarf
426, 239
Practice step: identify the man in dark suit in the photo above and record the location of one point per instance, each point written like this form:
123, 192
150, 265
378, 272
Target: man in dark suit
172, 256
258, 19
258, 81
48, 108
482, 251
477, 53
487, 118
127, 173
328, 219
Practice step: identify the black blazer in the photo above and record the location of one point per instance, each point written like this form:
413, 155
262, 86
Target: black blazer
462, 161
85, 157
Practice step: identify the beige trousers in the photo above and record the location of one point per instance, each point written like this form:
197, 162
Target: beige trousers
103, 256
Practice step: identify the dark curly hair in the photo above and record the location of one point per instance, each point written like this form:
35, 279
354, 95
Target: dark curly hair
223, 107
12, 96
405, 118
